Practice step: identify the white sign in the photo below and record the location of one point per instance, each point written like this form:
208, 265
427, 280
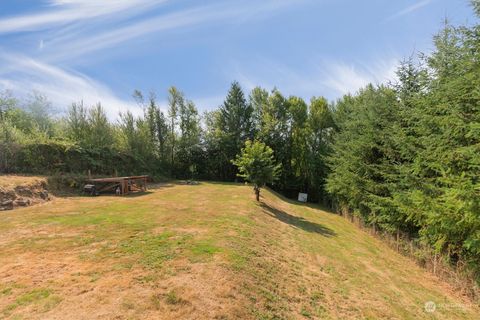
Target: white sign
302, 197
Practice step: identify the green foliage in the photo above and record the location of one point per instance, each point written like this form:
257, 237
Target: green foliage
299, 135
476, 6
409, 158
444, 129
320, 127
7, 103
11, 140
175, 98
90, 128
231, 127
275, 131
189, 151
77, 122
256, 164
40, 111
362, 162
176, 144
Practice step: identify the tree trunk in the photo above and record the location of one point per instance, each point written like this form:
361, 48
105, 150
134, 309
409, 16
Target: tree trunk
257, 193
173, 146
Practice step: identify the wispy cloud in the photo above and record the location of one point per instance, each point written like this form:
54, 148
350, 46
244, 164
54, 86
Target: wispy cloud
345, 78
61, 86
62, 12
328, 78
67, 31
412, 8
73, 45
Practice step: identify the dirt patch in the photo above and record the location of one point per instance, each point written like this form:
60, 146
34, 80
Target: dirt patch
17, 192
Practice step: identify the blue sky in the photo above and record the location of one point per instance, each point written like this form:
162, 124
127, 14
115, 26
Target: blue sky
92, 50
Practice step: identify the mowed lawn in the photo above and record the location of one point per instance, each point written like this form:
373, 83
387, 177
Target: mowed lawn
206, 251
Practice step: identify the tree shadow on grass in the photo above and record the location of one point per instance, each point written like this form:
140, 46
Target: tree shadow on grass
136, 194
160, 185
297, 222
139, 193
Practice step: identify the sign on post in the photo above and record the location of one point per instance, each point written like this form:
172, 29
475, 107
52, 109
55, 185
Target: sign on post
302, 197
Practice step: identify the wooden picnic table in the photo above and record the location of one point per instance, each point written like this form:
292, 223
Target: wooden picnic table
124, 184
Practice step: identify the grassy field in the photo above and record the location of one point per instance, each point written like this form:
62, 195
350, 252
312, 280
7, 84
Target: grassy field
205, 251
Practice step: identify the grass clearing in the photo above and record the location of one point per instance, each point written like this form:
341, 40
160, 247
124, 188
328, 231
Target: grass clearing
206, 251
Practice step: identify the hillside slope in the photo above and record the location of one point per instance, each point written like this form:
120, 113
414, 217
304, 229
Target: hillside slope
205, 251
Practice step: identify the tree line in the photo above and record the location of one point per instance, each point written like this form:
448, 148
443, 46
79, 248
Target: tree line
406, 156
175, 143
402, 156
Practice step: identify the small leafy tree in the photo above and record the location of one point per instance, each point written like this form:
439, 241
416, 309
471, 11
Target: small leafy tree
257, 165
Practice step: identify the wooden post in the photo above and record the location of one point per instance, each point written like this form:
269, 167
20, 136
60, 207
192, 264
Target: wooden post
398, 238
124, 187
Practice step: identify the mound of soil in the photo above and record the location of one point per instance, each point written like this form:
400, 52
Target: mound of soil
23, 195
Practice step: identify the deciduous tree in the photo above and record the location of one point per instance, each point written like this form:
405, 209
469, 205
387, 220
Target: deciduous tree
256, 164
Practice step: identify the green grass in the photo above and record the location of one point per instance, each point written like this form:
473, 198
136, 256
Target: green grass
6, 291
172, 298
212, 251
203, 250
34, 296
154, 250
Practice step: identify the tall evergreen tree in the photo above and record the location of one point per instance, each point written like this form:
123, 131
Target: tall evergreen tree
361, 161
234, 124
442, 195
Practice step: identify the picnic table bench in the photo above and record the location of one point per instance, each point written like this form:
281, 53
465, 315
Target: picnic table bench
120, 185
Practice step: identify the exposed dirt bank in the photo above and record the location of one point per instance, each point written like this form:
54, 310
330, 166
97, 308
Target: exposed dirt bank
19, 191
